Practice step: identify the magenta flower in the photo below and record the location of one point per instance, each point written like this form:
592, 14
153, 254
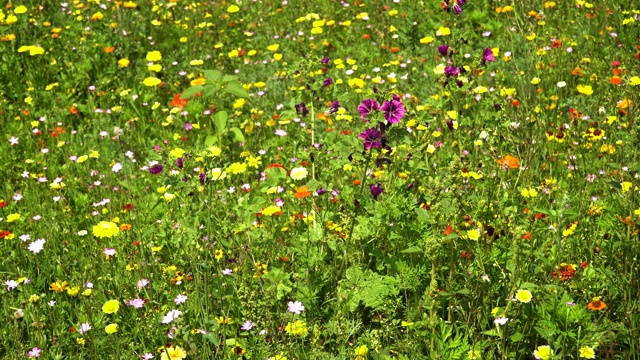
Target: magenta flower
136, 303
371, 138
393, 111
367, 106
487, 55
35, 352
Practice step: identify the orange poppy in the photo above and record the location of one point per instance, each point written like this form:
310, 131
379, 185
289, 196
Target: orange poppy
108, 49
615, 80
302, 192
596, 304
508, 161
178, 101
73, 110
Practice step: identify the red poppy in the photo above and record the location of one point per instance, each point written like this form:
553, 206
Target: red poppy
448, 231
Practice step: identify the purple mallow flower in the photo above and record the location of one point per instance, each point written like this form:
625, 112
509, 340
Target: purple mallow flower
156, 169
451, 71
302, 109
327, 82
335, 105
371, 138
376, 190
443, 49
393, 111
367, 106
487, 55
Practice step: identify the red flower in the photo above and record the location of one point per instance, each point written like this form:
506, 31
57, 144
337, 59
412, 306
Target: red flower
448, 231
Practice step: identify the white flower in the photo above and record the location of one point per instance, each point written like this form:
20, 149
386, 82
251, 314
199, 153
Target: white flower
501, 320
37, 246
11, 284
562, 84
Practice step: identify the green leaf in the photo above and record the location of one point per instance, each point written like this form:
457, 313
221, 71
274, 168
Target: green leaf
516, 337
423, 214
234, 87
220, 120
191, 92
212, 337
412, 250
209, 140
237, 134
228, 78
212, 76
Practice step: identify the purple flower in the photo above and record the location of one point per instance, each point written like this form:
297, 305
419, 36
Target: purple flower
393, 111
443, 49
451, 71
179, 162
188, 126
325, 60
457, 9
35, 352
371, 138
487, 55
321, 191
335, 105
376, 190
203, 178
156, 169
367, 106
302, 109
327, 82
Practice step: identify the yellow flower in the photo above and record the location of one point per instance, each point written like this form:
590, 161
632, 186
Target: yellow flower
154, 56
634, 81
174, 352
58, 286
232, 9
237, 168
111, 307
176, 153
218, 174
587, 352
111, 328
443, 31
73, 291
105, 229
297, 328
529, 192
273, 47
523, 295
626, 186
543, 352
473, 355
473, 234
21, 9
151, 81
585, 89
270, 210
13, 217
361, 350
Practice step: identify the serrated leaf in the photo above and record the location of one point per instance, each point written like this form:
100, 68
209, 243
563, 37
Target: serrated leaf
423, 214
234, 87
191, 92
237, 134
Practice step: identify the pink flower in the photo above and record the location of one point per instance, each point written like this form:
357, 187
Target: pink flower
295, 307
180, 299
136, 303
35, 352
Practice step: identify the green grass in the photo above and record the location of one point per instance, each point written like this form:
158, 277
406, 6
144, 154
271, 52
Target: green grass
195, 179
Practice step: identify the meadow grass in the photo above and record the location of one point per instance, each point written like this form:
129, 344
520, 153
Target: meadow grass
319, 179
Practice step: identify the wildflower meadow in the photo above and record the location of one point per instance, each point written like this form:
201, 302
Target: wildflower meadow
319, 179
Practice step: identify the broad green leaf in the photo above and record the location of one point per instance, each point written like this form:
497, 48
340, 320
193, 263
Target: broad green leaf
212, 76
229, 78
220, 120
237, 134
191, 92
235, 88
209, 140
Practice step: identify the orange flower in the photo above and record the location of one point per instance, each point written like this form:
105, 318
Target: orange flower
615, 80
508, 161
596, 304
565, 272
394, 49
178, 102
302, 192
125, 227
108, 49
73, 110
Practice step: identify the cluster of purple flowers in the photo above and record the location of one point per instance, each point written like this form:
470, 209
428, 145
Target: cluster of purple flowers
393, 112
